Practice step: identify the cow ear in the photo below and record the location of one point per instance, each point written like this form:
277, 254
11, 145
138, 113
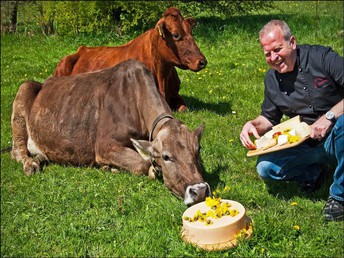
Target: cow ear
191, 21
144, 148
199, 131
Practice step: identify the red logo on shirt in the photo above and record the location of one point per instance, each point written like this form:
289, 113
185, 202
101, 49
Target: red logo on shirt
320, 82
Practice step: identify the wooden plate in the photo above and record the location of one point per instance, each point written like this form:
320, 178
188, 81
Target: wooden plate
303, 130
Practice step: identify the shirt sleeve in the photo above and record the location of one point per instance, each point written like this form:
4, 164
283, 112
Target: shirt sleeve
333, 64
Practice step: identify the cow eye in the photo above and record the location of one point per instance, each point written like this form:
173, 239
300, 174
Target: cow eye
176, 36
165, 157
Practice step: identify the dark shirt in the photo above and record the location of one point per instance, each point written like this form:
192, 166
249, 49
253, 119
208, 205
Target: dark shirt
314, 86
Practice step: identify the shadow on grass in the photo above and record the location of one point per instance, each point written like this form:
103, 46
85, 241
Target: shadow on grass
213, 178
222, 108
288, 190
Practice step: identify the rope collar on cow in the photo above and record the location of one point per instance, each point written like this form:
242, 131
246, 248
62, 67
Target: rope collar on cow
156, 121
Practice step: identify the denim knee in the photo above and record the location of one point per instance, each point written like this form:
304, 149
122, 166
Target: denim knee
263, 168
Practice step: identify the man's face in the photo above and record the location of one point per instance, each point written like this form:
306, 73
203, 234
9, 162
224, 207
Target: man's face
279, 53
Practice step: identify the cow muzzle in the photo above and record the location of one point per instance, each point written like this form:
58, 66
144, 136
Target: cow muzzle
196, 193
202, 63
197, 64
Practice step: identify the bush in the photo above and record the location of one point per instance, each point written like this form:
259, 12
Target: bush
121, 17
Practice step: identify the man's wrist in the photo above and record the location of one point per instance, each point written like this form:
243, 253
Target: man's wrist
331, 117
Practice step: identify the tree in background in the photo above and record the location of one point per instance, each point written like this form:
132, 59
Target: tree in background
78, 17
9, 14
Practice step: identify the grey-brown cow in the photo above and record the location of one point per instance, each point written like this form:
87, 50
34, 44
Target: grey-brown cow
93, 119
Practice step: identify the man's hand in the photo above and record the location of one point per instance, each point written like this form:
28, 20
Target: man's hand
245, 139
254, 127
320, 128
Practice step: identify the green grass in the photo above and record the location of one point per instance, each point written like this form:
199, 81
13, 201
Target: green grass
68, 212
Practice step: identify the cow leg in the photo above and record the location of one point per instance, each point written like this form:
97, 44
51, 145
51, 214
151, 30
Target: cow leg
175, 101
121, 157
22, 104
178, 104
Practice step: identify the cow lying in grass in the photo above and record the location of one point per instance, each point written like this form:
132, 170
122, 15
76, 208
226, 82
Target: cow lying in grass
168, 45
115, 118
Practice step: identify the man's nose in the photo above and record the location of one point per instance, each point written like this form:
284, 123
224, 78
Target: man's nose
274, 56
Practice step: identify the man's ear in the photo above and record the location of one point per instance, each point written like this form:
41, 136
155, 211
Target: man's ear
144, 148
292, 42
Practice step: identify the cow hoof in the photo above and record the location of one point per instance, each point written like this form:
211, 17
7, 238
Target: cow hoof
182, 108
114, 170
106, 168
30, 167
41, 160
152, 173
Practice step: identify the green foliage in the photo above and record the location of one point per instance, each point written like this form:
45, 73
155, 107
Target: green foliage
69, 211
95, 17
75, 17
139, 16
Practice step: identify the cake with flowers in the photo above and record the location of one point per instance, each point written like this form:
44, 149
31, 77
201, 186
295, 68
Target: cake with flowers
215, 224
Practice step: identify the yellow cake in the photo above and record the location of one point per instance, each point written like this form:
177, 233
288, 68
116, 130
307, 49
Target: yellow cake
212, 227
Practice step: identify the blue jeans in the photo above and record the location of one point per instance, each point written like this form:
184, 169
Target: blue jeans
303, 162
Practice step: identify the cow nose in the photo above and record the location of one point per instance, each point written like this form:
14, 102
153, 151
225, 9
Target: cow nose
196, 193
202, 63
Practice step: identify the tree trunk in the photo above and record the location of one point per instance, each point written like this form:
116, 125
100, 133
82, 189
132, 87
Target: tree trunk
13, 19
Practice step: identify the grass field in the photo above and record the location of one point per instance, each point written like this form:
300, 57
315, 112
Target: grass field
68, 212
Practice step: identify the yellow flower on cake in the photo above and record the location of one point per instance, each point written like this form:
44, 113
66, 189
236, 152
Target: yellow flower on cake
217, 209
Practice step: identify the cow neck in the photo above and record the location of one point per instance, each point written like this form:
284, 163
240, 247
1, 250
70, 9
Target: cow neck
155, 123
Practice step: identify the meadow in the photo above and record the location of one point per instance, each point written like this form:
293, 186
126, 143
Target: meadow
69, 211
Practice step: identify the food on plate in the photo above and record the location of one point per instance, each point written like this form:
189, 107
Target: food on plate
282, 139
272, 137
264, 143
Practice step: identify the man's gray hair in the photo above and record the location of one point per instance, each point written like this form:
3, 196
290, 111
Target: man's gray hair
276, 23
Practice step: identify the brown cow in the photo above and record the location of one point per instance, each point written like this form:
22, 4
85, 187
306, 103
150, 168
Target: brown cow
169, 44
93, 119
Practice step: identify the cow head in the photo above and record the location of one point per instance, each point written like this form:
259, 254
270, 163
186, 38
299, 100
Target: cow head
178, 45
175, 151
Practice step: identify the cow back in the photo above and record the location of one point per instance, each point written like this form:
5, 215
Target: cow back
80, 109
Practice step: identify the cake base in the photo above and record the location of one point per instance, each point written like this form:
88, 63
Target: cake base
221, 233
220, 246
